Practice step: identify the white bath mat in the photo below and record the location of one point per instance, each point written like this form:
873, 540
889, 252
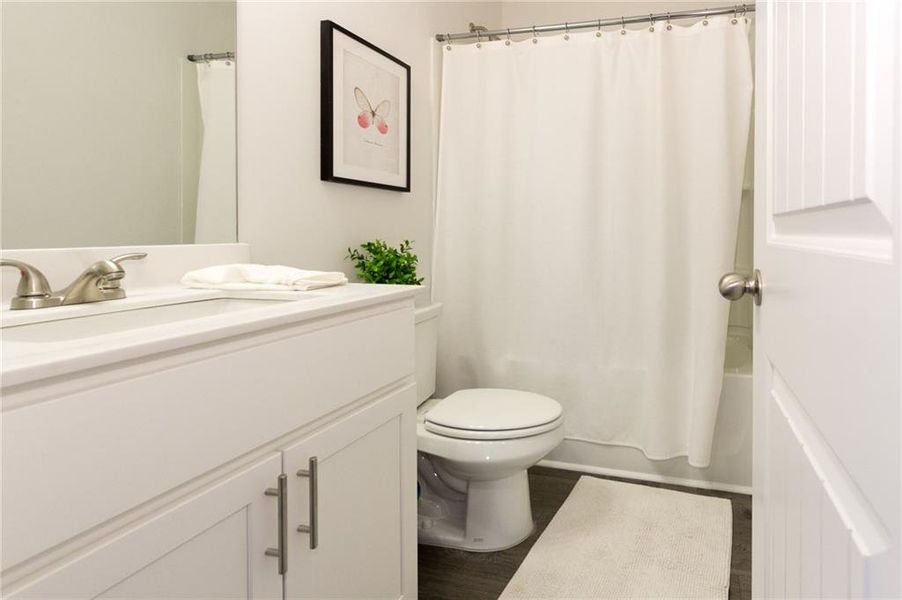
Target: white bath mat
621, 540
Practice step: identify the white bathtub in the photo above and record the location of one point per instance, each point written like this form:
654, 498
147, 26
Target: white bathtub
738, 359
731, 453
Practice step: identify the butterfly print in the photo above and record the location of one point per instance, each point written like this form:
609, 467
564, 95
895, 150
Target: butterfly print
369, 115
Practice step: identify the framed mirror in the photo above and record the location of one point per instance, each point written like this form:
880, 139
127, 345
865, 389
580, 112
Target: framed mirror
118, 123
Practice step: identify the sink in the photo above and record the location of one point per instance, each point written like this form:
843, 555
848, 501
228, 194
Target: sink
77, 328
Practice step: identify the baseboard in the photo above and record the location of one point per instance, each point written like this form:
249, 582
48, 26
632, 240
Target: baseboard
696, 483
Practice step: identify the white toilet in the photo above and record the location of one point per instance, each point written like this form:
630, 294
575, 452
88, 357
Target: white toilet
473, 451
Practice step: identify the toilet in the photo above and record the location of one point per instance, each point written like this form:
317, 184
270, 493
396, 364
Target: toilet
473, 450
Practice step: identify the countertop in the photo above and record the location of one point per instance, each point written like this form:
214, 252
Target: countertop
24, 362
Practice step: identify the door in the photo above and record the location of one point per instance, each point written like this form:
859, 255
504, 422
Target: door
352, 492
210, 545
827, 333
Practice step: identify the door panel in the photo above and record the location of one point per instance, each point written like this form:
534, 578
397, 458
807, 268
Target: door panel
209, 545
820, 527
187, 572
823, 94
809, 534
827, 383
365, 481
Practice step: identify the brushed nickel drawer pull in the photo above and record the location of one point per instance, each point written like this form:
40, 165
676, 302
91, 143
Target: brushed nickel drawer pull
281, 552
311, 473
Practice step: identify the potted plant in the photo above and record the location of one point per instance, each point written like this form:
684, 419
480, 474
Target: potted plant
377, 262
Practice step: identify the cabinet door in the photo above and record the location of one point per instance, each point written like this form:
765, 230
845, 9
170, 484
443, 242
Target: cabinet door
365, 500
209, 545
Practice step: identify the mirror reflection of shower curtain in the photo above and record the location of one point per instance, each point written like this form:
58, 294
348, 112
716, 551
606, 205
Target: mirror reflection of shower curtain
216, 219
588, 202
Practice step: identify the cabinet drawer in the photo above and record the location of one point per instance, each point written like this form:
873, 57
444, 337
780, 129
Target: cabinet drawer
74, 462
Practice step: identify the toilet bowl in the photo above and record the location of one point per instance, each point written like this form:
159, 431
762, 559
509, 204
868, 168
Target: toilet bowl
474, 448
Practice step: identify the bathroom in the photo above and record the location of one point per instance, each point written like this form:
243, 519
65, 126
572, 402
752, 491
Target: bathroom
451, 299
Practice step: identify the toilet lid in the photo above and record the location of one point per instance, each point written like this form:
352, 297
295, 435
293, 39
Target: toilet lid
494, 410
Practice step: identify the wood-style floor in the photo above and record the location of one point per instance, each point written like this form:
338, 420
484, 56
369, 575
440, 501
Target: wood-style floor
446, 574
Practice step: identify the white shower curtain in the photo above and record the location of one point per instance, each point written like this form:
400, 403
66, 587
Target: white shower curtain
588, 202
216, 187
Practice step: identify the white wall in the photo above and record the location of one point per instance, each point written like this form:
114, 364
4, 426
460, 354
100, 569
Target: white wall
286, 213
92, 107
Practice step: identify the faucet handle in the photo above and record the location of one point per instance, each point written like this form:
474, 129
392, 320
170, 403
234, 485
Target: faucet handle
33, 290
32, 283
129, 256
112, 283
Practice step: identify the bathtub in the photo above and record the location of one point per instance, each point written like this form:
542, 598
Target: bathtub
738, 358
731, 452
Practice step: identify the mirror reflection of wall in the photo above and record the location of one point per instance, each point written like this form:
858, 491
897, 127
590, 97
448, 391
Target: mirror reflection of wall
111, 136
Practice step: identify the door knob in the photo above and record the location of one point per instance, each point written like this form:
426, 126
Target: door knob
734, 286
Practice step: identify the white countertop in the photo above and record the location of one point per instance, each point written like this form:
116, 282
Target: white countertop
24, 362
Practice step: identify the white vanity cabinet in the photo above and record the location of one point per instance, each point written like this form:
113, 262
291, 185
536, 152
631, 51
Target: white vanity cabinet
149, 478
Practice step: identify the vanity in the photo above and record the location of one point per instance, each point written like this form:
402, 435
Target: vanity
200, 443
160, 441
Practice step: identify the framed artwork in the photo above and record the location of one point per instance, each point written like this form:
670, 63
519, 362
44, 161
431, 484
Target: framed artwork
365, 112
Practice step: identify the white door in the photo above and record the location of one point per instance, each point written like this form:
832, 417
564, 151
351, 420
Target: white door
363, 497
210, 545
827, 334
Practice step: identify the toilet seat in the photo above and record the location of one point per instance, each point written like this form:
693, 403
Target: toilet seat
493, 414
503, 434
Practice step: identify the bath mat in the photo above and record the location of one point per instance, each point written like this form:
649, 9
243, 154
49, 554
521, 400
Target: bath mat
621, 540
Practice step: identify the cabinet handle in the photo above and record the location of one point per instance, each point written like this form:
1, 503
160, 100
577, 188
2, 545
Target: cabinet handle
311, 473
281, 552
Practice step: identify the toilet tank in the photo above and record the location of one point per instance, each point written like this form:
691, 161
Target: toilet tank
426, 341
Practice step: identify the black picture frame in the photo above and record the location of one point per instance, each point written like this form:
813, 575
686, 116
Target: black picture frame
331, 169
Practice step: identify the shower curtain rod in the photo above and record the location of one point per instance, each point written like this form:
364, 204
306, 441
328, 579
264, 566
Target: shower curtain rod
211, 56
739, 9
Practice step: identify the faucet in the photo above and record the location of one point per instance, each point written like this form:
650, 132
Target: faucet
100, 281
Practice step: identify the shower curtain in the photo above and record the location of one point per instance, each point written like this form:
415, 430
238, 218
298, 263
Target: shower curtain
216, 186
588, 203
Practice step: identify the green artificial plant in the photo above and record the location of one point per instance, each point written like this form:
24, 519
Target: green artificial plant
380, 263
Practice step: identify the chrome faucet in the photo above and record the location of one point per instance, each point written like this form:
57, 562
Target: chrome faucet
100, 281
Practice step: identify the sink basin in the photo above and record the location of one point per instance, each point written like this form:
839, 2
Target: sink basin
77, 328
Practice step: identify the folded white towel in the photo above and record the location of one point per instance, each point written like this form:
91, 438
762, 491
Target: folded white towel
261, 277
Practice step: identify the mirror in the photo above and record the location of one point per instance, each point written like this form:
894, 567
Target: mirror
111, 135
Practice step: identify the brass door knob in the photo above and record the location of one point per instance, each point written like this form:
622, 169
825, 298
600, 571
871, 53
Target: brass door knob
734, 286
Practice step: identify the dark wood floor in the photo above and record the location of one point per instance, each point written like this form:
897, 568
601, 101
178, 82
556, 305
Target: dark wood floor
447, 574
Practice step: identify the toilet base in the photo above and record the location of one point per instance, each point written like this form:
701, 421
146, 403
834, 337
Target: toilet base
494, 515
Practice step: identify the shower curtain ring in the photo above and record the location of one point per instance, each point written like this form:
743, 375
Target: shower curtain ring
535, 39
707, 14
448, 38
622, 27
651, 19
507, 42
478, 40
735, 18
598, 33
566, 30
669, 26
